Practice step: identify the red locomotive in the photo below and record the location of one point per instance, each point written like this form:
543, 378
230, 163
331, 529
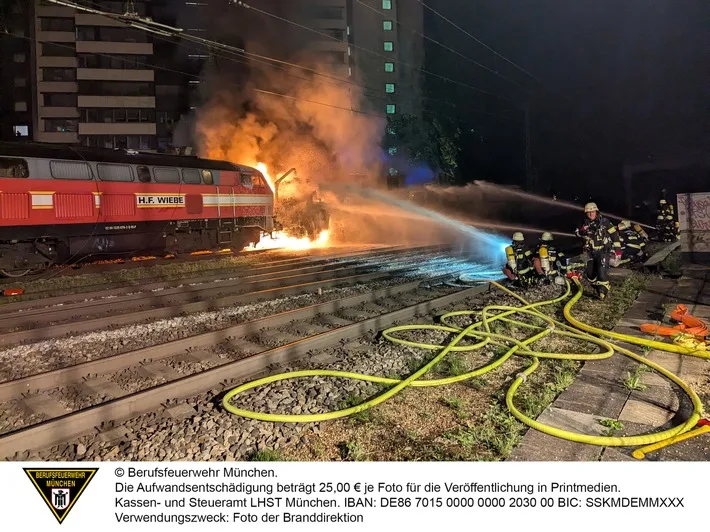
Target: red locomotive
62, 202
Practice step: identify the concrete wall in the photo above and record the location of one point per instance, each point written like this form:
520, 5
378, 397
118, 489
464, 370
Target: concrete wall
694, 218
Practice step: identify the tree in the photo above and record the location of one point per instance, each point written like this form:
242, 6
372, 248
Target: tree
410, 143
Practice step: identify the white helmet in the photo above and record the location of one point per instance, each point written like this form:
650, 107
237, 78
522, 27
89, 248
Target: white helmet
546, 237
624, 224
591, 207
518, 237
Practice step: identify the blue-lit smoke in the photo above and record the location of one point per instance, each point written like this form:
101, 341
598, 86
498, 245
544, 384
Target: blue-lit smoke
419, 176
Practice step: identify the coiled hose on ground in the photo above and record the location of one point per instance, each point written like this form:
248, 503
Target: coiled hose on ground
481, 334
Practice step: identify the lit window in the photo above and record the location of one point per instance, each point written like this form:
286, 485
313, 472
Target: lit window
387, 25
21, 131
391, 108
386, 4
389, 88
389, 67
389, 46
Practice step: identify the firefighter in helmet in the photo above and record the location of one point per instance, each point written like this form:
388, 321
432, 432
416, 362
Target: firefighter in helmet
633, 245
519, 268
601, 239
665, 222
548, 261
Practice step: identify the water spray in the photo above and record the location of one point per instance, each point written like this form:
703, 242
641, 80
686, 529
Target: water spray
493, 243
547, 201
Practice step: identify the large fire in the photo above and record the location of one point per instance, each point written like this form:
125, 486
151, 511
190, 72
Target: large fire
281, 239
265, 171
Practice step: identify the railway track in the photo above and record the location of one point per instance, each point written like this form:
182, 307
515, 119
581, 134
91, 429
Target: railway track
61, 320
72, 401
44, 298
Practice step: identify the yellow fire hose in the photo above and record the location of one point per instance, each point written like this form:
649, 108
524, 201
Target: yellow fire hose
480, 333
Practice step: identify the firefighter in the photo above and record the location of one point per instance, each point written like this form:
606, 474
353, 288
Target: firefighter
548, 261
600, 239
519, 268
633, 246
665, 222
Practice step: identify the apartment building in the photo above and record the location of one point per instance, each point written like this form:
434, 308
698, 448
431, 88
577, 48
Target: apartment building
17, 80
382, 48
95, 85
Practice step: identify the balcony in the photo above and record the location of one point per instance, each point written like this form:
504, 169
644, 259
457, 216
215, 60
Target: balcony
57, 86
63, 138
122, 128
89, 19
58, 112
117, 48
325, 23
54, 11
328, 46
133, 102
56, 36
114, 74
57, 62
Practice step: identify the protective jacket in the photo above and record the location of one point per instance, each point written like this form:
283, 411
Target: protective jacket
631, 240
520, 264
599, 235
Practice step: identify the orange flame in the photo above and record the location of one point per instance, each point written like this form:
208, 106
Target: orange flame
282, 240
265, 171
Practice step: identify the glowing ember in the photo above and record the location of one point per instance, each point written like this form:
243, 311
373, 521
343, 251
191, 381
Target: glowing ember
281, 240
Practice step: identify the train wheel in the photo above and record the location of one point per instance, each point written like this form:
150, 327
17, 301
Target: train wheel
16, 273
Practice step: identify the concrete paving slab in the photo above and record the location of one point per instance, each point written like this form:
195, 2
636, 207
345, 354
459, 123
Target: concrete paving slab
617, 454
645, 413
540, 447
572, 421
598, 392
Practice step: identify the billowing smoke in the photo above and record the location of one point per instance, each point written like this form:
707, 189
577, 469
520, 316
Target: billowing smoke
321, 125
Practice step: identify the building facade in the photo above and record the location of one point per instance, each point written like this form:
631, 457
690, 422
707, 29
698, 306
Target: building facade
95, 85
16, 64
381, 49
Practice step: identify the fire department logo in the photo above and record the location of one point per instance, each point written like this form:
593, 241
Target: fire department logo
60, 488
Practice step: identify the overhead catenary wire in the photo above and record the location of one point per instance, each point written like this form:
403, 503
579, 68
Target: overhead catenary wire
164, 31
235, 85
477, 40
426, 37
391, 59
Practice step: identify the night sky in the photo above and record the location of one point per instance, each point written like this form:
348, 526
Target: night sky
619, 80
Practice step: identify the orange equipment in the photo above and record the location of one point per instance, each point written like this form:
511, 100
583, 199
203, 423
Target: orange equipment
688, 325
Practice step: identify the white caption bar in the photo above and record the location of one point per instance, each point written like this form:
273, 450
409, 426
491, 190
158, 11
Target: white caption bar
90, 496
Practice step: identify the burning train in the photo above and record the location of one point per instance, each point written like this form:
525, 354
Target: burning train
61, 203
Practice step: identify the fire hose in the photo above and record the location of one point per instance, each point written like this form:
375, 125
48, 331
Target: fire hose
480, 331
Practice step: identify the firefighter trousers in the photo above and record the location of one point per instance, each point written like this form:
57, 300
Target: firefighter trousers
598, 273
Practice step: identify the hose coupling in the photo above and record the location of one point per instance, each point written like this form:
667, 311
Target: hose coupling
522, 376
